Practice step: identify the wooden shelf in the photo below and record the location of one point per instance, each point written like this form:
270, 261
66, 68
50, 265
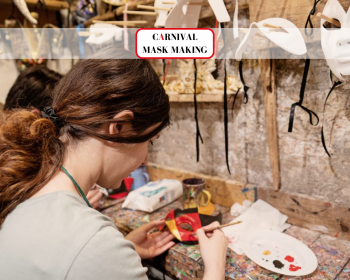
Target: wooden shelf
51, 4
203, 97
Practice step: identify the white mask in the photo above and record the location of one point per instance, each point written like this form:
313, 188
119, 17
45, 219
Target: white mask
336, 41
187, 16
103, 32
288, 37
184, 16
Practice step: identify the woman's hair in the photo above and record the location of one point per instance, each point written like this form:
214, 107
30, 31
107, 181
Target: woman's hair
33, 87
86, 99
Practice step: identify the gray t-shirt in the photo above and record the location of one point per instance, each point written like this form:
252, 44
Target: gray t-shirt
57, 236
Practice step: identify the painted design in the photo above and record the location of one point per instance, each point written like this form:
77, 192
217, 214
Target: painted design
266, 253
152, 193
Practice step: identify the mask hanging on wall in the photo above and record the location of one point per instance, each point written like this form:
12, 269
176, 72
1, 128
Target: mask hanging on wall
289, 38
183, 223
336, 41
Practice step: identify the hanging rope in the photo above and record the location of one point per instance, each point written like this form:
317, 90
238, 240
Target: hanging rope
301, 98
198, 133
308, 21
225, 101
245, 87
335, 84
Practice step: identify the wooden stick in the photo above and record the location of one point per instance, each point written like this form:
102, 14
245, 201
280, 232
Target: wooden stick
117, 12
222, 226
140, 13
330, 20
152, 8
270, 25
88, 33
188, 3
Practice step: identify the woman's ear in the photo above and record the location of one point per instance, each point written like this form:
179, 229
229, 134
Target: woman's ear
123, 116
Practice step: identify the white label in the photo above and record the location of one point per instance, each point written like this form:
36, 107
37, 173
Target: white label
174, 43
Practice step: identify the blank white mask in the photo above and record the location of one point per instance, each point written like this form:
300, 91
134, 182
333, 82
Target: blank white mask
336, 41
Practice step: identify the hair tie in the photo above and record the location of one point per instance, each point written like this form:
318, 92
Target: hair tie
49, 113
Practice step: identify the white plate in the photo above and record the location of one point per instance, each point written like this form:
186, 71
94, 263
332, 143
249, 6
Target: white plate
270, 249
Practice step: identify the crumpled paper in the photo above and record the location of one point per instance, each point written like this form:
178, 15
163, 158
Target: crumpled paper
260, 215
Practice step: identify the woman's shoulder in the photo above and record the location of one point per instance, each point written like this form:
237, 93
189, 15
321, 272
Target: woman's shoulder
107, 255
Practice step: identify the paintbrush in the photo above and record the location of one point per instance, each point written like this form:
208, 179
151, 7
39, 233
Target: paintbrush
222, 226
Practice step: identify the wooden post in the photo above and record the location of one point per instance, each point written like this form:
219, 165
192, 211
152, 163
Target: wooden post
268, 76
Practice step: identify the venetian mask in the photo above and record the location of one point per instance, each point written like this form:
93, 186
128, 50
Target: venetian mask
287, 36
183, 223
336, 41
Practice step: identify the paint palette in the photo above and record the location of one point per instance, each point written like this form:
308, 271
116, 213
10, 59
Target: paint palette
280, 253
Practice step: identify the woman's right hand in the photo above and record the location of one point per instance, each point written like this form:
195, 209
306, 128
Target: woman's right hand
213, 248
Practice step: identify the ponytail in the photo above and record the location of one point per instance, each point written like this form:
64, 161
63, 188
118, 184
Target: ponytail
30, 155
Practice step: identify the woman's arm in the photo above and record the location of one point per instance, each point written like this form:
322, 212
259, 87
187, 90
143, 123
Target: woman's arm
107, 255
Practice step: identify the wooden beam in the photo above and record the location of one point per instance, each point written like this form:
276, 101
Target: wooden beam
268, 76
308, 212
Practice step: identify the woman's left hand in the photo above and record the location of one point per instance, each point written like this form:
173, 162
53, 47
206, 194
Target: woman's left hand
153, 244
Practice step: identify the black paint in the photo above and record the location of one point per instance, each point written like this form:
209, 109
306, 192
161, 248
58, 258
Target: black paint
278, 264
344, 228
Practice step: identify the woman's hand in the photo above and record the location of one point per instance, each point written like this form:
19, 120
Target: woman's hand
94, 196
150, 245
213, 248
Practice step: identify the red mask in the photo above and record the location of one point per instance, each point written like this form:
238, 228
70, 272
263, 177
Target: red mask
177, 220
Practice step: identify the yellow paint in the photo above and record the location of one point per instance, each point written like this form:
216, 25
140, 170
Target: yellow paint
267, 252
173, 229
207, 210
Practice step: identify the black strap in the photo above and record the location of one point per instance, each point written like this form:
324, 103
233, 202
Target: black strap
335, 84
164, 68
234, 100
245, 87
225, 101
198, 133
301, 98
308, 21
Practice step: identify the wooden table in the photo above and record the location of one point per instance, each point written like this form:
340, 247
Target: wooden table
184, 261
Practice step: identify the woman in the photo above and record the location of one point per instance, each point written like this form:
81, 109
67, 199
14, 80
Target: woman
104, 114
33, 88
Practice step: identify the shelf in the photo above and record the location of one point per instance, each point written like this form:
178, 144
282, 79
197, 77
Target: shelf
51, 4
200, 97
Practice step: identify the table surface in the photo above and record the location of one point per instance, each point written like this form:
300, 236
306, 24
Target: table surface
184, 261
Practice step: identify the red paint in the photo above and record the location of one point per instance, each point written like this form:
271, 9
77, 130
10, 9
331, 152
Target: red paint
294, 268
289, 259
